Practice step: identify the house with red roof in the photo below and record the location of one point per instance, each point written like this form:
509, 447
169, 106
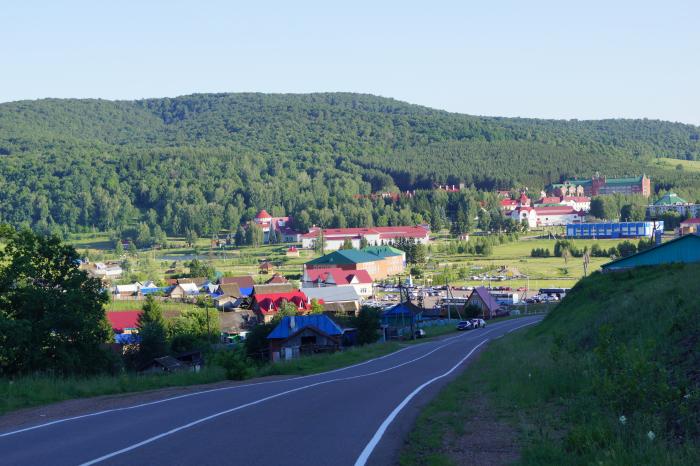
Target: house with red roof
360, 280
375, 236
266, 305
124, 321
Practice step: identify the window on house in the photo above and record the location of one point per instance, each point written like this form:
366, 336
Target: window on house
309, 340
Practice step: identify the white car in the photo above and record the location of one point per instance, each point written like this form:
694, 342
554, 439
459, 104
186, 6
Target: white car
478, 323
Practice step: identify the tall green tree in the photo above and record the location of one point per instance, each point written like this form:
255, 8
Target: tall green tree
52, 317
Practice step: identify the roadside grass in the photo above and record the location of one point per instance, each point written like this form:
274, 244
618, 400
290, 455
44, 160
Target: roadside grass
326, 362
31, 391
619, 345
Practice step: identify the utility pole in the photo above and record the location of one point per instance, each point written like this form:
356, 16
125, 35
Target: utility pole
206, 309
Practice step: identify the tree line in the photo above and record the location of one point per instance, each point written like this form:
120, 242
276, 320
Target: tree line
198, 164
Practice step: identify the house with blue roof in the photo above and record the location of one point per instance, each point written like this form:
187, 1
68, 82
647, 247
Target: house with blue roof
295, 336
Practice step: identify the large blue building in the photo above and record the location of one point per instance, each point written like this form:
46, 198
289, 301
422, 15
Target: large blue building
614, 229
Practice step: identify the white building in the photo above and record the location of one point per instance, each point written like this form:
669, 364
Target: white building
375, 236
547, 216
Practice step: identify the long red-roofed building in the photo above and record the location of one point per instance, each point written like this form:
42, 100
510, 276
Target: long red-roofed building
375, 236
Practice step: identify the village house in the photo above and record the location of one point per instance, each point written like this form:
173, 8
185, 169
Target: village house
266, 306
299, 335
482, 299
339, 300
268, 288
292, 252
334, 238
359, 280
276, 279
184, 290
245, 283
689, 226
266, 267
124, 322
103, 271
227, 296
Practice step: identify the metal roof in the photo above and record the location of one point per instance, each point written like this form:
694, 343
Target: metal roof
291, 325
345, 256
331, 294
685, 249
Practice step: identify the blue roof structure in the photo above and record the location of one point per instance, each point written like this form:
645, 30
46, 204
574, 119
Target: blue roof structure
246, 291
401, 309
291, 325
685, 249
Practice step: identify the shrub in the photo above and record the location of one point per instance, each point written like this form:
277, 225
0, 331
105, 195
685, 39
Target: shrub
235, 362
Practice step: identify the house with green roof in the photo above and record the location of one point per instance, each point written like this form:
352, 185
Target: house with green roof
378, 261
671, 202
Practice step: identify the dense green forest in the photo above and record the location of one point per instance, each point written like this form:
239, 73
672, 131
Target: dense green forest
211, 161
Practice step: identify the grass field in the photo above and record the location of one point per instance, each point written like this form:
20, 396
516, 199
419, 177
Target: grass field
542, 272
609, 377
672, 164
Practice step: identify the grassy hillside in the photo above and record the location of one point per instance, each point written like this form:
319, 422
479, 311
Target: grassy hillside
611, 376
72, 164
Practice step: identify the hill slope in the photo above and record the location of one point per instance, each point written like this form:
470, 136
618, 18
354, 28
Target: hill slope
620, 344
88, 162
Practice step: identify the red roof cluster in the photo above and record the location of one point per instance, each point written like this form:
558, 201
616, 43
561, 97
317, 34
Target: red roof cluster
270, 303
338, 276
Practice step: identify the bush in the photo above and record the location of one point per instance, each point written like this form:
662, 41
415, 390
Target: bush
235, 362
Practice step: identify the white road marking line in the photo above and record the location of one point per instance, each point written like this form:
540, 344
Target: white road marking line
151, 403
369, 448
187, 395
252, 403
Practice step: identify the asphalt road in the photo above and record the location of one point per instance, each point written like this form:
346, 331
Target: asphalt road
355, 415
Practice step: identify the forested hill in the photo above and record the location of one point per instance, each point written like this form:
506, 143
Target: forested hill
180, 161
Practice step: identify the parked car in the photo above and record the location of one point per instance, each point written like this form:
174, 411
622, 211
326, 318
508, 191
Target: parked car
478, 323
464, 325
419, 333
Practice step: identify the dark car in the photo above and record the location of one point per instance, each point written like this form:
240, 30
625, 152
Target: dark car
464, 325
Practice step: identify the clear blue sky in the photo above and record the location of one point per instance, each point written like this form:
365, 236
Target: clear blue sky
551, 59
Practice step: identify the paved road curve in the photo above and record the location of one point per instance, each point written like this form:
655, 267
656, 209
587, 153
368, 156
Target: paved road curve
355, 415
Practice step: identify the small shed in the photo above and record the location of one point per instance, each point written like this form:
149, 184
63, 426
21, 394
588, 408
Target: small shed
266, 267
277, 279
400, 320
